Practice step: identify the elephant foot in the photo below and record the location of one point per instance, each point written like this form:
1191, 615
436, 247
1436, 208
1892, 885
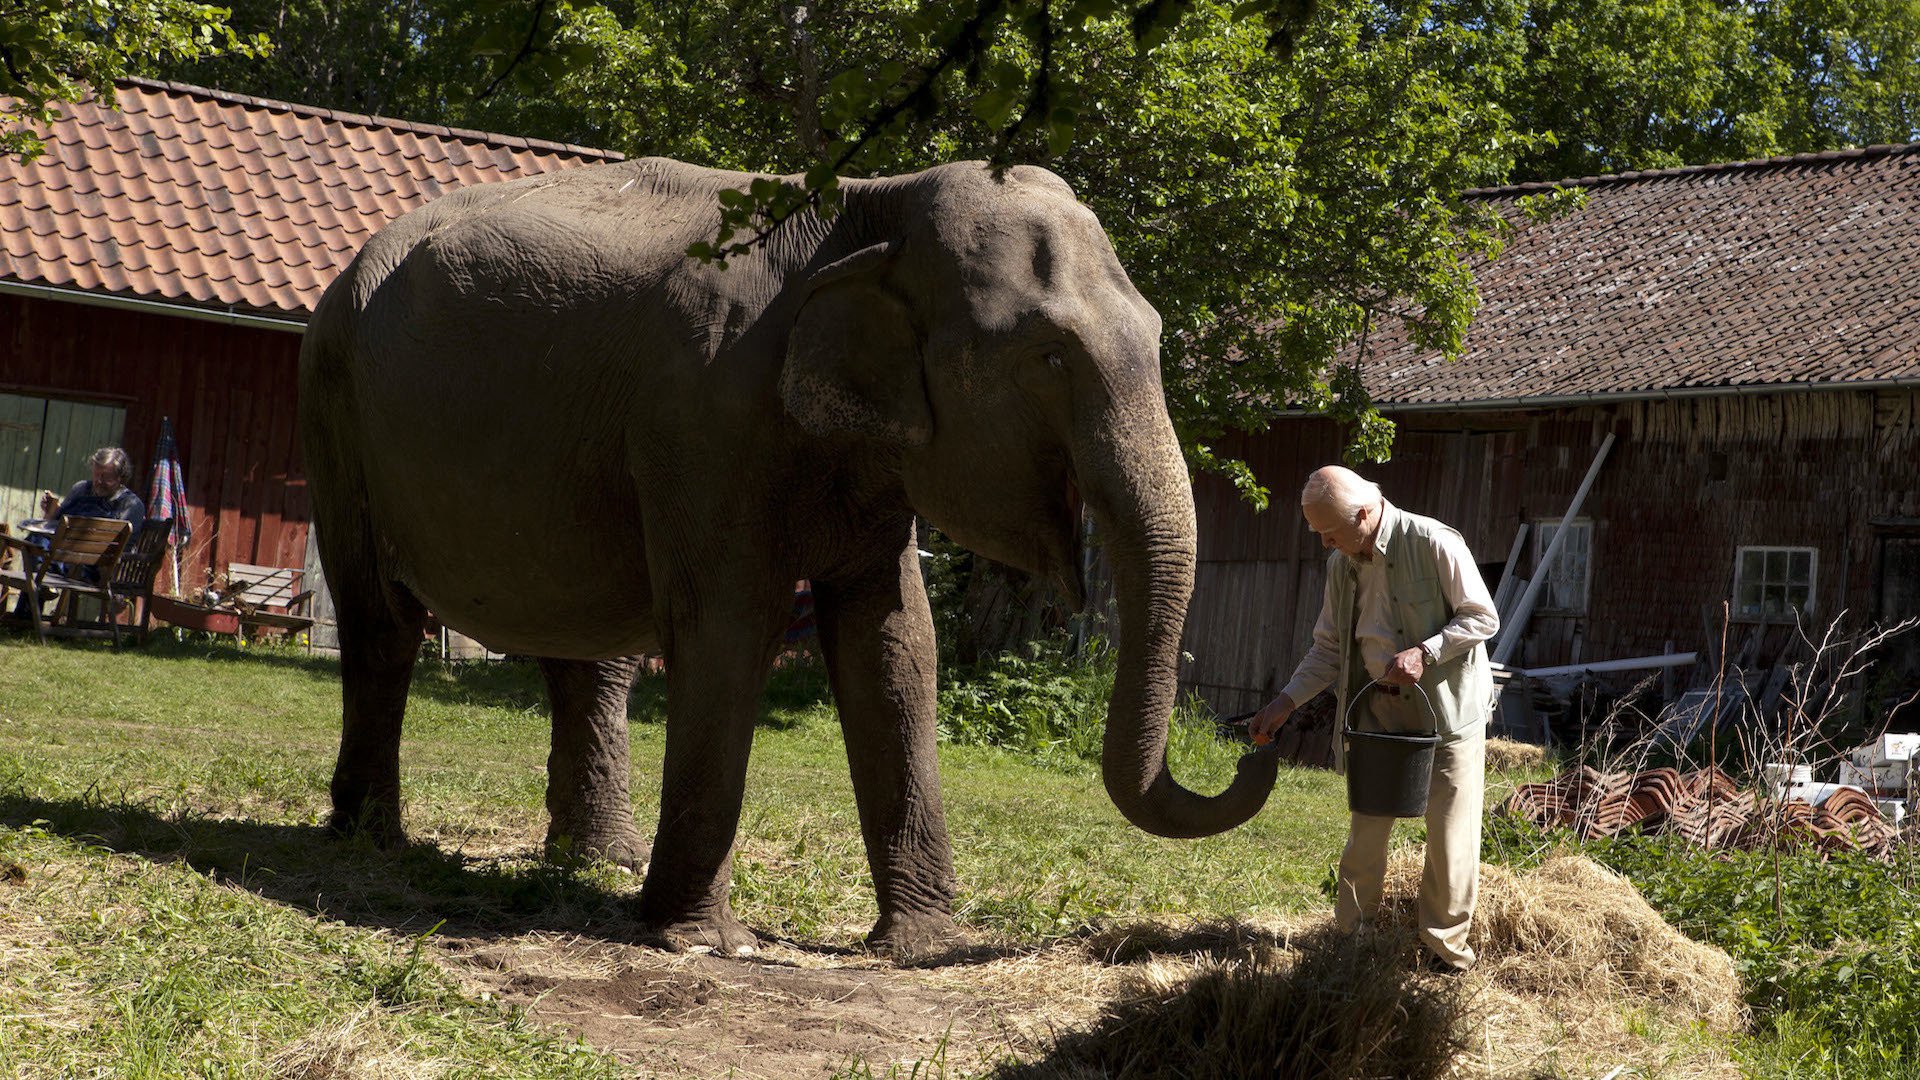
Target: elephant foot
917, 937
722, 935
621, 847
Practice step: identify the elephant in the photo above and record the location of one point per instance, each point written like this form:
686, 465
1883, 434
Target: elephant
526, 409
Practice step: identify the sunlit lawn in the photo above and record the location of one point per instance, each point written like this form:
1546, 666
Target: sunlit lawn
164, 805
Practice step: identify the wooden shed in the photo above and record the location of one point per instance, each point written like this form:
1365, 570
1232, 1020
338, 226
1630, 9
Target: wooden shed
1748, 335
161, 261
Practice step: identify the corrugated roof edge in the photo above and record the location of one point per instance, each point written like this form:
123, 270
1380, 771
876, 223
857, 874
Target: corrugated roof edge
515, 142
1785, 160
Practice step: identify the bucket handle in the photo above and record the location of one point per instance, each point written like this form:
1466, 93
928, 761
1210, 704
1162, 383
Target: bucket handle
1346, 722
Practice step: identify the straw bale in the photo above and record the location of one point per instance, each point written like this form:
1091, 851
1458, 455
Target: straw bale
1573, 929
1506, 755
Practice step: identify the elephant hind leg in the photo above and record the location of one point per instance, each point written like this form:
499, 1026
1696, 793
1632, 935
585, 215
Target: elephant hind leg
380, 623
588, 802
380, 628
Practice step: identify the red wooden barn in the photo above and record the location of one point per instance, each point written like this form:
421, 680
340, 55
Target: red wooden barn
1748, 333
162, 259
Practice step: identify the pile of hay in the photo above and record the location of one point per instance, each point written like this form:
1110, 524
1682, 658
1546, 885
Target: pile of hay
1317, 1005
1576, 973
1575, 931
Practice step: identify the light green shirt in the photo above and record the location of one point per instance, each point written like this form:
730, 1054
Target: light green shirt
1420, 587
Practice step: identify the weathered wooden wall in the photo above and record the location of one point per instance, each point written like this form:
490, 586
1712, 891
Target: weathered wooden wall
229, 390
1689, 480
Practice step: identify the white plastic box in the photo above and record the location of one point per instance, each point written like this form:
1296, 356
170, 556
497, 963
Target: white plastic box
1887, 749
1875, 778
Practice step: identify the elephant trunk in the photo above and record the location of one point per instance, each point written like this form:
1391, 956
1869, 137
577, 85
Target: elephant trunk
1143, 501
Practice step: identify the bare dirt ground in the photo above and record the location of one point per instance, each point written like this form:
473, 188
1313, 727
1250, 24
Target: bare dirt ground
790, 1012
784, 1012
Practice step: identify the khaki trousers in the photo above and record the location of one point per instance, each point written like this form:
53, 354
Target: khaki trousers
1451, 885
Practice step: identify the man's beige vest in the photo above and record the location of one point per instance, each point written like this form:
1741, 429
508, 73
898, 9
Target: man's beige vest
1460, 690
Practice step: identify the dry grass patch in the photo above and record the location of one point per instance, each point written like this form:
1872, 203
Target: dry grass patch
356, 1047
1578, 976
1575, 931
1579, 971
1338, 1006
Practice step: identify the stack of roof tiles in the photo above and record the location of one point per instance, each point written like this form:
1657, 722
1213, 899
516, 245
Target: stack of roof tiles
193, 196
1705, 807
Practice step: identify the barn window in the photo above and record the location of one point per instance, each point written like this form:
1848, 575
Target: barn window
1565, 591
44, 445
1774, 582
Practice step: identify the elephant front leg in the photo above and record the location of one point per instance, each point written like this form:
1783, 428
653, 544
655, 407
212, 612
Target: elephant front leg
716, 670
877, 634
590, 810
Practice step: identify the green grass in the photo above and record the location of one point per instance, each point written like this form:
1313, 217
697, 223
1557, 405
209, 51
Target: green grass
1828, 950
186, 914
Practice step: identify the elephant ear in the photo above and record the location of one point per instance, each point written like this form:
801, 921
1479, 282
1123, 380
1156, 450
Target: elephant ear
854, 356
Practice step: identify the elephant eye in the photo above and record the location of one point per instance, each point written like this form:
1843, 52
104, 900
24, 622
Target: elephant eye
1054, 361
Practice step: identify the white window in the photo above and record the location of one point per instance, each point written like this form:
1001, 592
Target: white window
1774, 582
1565, 590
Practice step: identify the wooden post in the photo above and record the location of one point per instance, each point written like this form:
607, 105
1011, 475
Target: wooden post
1507, 575
1510, 634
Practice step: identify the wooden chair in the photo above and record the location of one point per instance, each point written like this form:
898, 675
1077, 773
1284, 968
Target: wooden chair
268, 598
77, 542
6, 563
131, 581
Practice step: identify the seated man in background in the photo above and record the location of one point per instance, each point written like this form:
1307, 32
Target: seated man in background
105, 495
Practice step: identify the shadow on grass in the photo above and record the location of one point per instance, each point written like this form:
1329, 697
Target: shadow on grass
408, 890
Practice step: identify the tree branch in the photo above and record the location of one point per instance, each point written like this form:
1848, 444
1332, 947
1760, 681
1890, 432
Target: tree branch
964, 45
526, 50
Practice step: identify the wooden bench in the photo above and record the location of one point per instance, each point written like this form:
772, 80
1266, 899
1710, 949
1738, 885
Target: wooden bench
269, 598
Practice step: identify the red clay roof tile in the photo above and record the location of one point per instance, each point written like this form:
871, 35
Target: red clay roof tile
204, 197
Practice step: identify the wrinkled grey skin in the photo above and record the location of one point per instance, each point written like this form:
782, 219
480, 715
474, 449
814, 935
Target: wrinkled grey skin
525, 409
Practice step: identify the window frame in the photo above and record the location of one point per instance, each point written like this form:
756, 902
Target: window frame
1541, 540
1738, 609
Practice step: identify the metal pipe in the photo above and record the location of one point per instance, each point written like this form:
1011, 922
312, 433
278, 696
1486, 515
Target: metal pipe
155, 307
1638, 663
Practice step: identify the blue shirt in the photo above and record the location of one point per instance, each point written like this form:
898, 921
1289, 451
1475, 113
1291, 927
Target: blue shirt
82, 502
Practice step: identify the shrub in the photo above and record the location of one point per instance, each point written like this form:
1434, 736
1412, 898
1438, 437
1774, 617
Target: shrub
1050, 704
1047, 703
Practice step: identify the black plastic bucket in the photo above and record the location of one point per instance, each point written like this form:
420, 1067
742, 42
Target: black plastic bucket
1388, 775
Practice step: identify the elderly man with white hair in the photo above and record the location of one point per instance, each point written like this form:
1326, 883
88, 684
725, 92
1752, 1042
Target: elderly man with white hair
104, 494
1400, 639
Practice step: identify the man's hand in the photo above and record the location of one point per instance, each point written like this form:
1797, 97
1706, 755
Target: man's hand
49, 504
1406, 667
1268, 720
